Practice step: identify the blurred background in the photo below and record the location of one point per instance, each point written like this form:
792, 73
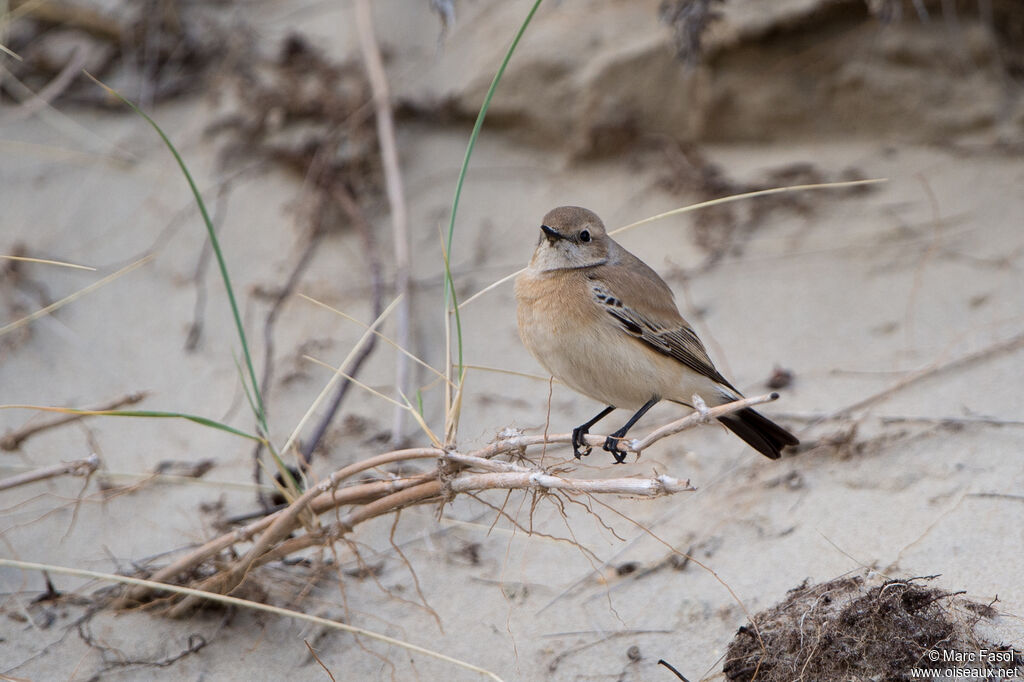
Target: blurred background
889, 316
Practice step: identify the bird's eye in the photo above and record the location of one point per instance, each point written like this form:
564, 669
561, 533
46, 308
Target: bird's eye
585, 236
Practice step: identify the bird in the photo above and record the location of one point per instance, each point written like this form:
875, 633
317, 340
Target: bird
601, 321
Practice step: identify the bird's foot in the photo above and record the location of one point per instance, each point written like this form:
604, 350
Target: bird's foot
611, 444
580, 448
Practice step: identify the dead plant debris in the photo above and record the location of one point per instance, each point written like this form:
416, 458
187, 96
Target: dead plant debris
780, 378
847, 629
19, 294
152, 51
689, 20
308, 114
1005, 21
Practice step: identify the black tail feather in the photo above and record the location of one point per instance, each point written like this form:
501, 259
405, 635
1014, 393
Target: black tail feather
759, 432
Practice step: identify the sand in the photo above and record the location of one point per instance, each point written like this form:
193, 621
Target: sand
854, 293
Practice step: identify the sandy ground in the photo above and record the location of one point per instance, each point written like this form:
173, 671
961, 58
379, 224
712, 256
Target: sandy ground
855, 293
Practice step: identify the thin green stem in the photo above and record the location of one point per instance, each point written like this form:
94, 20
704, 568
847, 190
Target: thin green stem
149, 414
260, 409
449, 288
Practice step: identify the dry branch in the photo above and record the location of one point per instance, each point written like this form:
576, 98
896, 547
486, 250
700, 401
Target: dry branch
78, 467
350, 207
515, 480
453, 473
357, 494
396, 192
1008, 346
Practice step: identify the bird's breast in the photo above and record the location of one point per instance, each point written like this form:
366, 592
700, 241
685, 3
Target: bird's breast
580, 345
554, 314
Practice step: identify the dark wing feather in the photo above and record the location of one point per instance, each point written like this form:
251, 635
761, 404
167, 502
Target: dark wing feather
676, 341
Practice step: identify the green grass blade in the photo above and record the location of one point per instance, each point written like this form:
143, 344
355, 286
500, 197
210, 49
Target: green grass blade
449, 285
154, 414
261, 411
149, 414
245, 387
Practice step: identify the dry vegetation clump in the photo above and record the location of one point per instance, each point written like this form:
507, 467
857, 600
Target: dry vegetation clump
305, 113
691, 19
151, 51
1004, 19
845, 629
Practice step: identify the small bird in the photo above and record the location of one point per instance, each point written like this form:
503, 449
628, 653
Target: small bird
605, 324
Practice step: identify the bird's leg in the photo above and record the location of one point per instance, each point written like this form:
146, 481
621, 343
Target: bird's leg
611, 443
580, 431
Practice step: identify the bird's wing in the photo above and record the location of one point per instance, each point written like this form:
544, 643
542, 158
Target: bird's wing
652, 317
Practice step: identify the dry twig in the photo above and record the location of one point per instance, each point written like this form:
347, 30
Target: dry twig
396, 193
78, 467
1008, 346
351, 208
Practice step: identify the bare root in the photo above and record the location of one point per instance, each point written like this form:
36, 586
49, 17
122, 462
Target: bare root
299, 525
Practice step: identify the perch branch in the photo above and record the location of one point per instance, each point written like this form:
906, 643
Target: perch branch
455, 473
536, 477
691, 420
637, 445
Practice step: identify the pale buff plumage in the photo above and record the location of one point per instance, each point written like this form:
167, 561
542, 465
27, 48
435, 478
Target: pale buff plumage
604, 323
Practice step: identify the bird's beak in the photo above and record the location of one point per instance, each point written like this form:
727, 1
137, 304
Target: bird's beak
553, 235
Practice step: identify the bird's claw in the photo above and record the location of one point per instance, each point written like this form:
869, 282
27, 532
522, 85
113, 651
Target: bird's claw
611, 444
578, 442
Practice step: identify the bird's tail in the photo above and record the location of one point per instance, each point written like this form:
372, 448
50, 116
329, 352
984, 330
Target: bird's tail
759, 432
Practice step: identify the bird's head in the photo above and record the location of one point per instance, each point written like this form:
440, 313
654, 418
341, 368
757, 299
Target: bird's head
570, 237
